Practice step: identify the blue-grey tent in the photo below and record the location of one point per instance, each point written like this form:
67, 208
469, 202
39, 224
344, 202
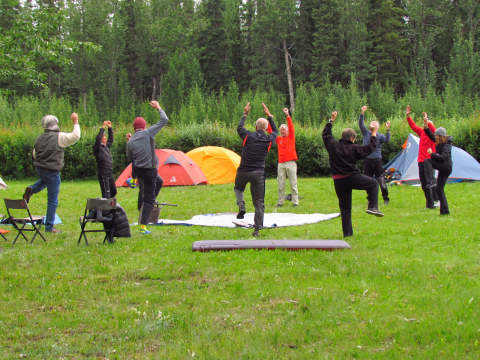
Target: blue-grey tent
403, 168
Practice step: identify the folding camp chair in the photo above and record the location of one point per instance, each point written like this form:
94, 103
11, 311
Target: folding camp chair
16, 207
93, 206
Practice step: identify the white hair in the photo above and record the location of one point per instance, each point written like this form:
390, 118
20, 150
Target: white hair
50, 122
261, 124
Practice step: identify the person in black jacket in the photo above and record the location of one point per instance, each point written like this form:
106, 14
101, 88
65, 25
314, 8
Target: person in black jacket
252, 166
101, 150
442, 161
343, 156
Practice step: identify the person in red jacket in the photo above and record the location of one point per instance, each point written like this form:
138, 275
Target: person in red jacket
287, 157
425, 169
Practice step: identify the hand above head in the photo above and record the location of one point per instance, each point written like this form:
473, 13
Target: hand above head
266, 111
408, 110
387, 125
364, 108
109, 123
334, 116
74, 118
104, 125
286, 112
246, 109
155, 104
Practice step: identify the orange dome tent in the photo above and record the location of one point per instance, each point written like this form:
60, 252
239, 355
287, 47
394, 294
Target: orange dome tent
217, 163
174, 167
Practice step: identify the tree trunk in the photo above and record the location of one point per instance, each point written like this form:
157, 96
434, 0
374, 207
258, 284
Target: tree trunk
154, 88
289, 76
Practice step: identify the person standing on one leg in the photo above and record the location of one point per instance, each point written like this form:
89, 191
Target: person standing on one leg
343, 156
287, 157
102, 153
425, 169
48, 158
252, 166
141, 151
442, 161
373, 165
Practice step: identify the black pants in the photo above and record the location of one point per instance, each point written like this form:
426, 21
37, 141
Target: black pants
344, 187
150, 184
374, 168
257, 189
427, 180
107, 185
440, 190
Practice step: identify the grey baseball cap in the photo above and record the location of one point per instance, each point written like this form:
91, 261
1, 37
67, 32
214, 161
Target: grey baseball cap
441, 131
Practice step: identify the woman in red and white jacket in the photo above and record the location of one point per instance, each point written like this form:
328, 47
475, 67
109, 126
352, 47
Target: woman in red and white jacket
425, 169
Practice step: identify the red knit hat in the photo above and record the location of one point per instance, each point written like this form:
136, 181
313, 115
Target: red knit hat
139, 123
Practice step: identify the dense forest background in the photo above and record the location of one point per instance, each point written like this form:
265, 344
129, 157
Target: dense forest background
204, 59
120, 52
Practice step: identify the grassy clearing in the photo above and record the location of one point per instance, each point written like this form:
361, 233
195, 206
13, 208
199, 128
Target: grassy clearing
408, 288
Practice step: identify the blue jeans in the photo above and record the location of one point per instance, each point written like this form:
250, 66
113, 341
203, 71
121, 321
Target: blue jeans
51, 180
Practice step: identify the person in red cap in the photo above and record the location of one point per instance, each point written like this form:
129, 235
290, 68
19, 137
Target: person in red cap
141, 151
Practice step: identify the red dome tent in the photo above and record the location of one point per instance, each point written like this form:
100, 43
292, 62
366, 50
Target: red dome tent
174, 167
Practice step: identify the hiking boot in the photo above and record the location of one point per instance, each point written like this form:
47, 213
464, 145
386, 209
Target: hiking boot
27, 194
54, 231
241, 212
375, 212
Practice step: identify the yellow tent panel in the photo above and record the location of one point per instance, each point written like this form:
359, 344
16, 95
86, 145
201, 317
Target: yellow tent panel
218, 164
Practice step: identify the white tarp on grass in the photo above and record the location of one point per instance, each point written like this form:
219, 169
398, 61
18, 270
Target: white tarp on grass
270, 220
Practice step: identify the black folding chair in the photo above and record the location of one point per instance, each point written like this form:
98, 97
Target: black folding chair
89, 216
15, 208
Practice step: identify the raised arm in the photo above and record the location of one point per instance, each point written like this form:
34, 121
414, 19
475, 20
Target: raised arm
327, 136
418, 130
67, 139
242, 132
387, 135
361, 123
154, 129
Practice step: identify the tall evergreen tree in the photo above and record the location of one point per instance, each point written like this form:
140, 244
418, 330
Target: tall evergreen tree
389, 52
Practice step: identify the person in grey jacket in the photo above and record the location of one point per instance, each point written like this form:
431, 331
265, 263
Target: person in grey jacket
141, 151
373, 165
48, 155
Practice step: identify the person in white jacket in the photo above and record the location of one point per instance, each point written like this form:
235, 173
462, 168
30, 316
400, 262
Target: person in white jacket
48, 158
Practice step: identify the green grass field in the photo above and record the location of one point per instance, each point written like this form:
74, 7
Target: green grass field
408, 288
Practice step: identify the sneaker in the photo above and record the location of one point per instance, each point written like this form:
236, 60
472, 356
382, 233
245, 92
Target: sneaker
27, 194
375, 212
256, 233
241, 214
144, 231
54, 231
436, 204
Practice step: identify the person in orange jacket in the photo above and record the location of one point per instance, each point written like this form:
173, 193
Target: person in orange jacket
287, 157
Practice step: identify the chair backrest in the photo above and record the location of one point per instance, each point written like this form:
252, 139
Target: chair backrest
101, 204
15, 204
